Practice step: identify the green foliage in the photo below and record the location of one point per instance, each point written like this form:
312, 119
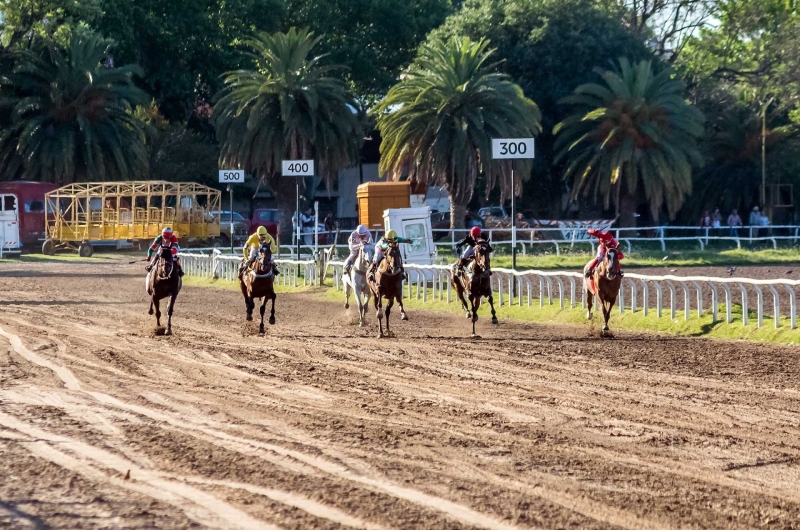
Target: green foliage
634, 133
68, 116
23, 23
437, 124
548, 47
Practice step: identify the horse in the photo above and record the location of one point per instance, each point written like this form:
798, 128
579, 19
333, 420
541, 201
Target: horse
604, 284
163, 281
356, 283
388, 284
474, 284
259, 283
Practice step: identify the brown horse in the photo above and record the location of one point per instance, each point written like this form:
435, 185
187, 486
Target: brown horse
604, 284
388, 284
163, 281
474, 283
259, 283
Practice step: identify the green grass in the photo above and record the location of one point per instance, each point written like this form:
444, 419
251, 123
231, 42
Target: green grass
694, 327
644, 259
100, 257
193, 281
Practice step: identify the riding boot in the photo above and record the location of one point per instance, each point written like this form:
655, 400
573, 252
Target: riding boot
371, 273
347, 269
589, 273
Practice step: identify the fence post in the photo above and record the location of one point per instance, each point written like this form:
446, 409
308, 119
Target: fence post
714, 302
792, 306
745, 315
776, 305
759, 306
659, 299
645, 297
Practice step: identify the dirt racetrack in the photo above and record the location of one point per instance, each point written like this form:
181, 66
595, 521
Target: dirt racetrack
104, 424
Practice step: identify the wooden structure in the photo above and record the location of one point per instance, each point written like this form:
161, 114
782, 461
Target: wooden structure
376, 197
77, 214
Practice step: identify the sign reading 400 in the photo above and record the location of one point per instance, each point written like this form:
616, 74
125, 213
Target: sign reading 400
297, 168
512, 148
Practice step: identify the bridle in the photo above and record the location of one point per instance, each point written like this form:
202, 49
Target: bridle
265, 263
611, 262
392, 259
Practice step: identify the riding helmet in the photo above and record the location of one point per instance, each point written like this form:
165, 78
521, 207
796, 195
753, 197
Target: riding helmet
262, 232
362, 231
391, 235
166, 232
475, 232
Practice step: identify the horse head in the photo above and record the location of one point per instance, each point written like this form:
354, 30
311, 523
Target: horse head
611, 264
393, 261
365, 256
265, 258
165, 263
481, 257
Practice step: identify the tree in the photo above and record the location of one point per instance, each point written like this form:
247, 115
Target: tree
548, 47
70, 116
631, 136
288, 107
437, 124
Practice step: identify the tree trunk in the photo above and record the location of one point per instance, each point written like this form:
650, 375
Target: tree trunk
627, 209
458, 210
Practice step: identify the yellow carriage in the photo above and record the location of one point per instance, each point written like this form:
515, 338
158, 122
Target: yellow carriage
79, 214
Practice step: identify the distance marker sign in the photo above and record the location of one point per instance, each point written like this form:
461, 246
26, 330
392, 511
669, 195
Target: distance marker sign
231, 176
297, 168
512, 148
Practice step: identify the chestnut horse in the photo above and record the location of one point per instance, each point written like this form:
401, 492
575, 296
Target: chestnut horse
162, 282
259, 283
474, 283
388, 284
604, 284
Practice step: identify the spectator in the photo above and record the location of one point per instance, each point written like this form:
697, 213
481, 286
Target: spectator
716, 219
755, 217
734, 222
307, 221
330, 222
705, 220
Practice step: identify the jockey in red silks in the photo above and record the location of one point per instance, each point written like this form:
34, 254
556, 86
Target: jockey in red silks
606, 241
166, 242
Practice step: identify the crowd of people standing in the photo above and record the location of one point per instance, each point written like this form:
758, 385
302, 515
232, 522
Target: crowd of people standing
734, 223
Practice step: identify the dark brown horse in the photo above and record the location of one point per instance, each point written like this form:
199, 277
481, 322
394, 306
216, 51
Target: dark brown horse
162, 282
388, 284
259, 283
604, 284
474, 283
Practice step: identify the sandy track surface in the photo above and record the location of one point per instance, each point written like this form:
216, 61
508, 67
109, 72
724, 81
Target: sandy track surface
104, 424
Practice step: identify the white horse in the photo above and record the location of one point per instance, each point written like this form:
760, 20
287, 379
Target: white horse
356, 282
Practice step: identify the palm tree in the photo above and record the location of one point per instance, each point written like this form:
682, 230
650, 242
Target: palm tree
632, 136
438, 122
289, 107
68, 116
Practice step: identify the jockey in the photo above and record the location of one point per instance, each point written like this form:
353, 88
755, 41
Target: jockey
470, 241
381, 248
252, 245
606, 241
360, 237
166, 240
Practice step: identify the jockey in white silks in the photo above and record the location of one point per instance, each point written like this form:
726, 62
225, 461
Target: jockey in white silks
360, 237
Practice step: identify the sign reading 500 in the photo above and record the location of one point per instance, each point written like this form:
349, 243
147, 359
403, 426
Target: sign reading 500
229, 176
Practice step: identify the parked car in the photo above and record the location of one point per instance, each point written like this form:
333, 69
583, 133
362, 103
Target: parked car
495, 217
441, 221
240, 228
269, 218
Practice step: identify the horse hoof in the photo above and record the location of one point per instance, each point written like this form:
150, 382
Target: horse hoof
272, 321
249, 318
467, 315
261, 331
588, 316
381, 336
168, 332
347, 306
150, 312
495, 321
403, 316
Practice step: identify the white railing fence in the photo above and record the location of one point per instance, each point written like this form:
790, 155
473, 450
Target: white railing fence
638, 292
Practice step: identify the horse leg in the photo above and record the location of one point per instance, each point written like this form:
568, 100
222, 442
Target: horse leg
589, 304
607, 306
150, 312
379, 314
262, 309
346, 293
490, 298
460, 293
362, 308
389, 304
399, 298
170, 307
156, 302
272, 311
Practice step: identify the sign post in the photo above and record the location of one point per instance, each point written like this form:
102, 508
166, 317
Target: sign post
297, 169
230, 177
512, 148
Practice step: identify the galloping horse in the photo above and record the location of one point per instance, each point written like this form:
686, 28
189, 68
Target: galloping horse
388, 284
356, 282
604, 284
161, 282
475, 283
259, 283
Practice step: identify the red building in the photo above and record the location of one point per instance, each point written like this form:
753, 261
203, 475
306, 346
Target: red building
24, 201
